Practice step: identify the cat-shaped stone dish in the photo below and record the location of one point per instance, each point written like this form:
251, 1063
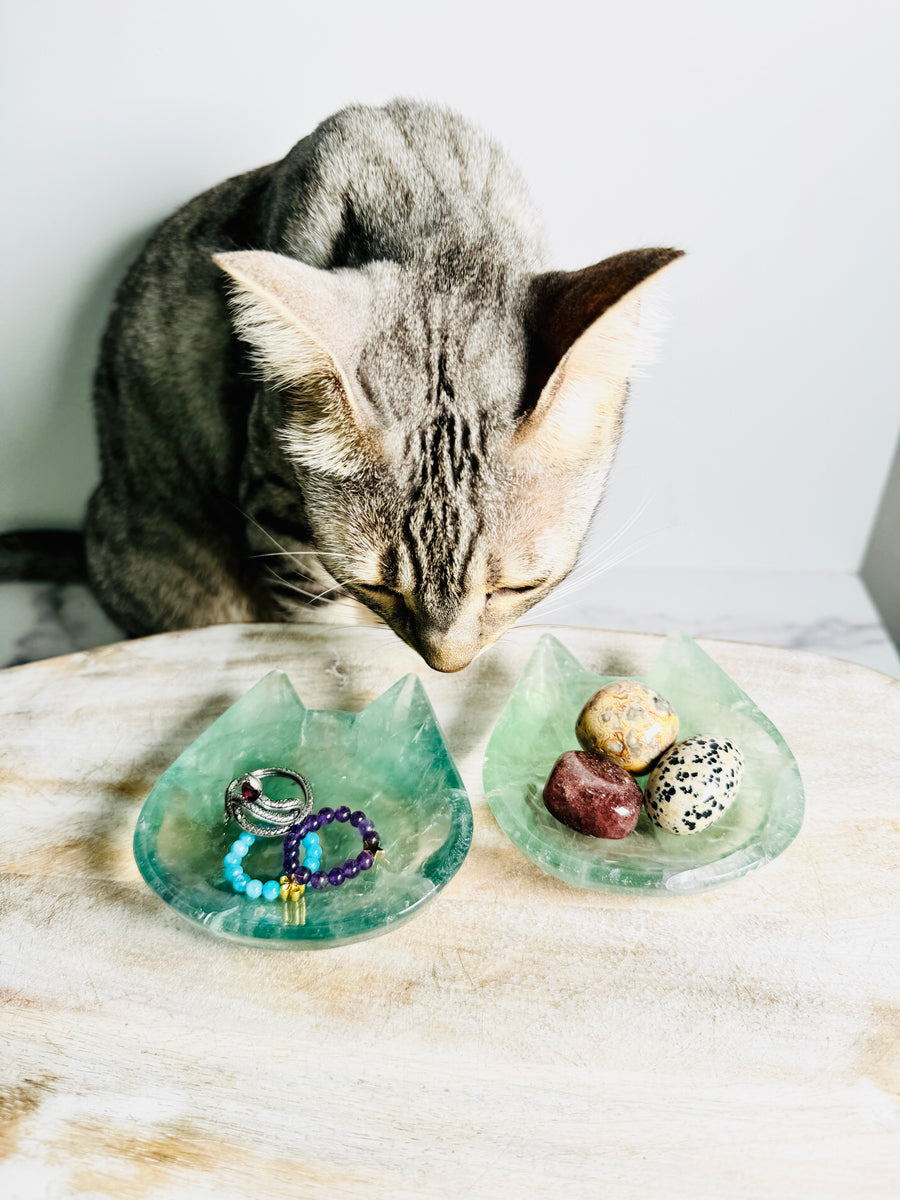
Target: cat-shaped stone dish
538, 724
389, 760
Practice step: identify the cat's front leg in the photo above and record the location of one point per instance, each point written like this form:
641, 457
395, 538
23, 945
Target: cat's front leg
153, 572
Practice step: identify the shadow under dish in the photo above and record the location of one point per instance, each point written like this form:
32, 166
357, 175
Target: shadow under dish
538, 724
389, 760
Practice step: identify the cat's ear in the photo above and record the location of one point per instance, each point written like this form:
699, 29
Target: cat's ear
583, 332
304, 325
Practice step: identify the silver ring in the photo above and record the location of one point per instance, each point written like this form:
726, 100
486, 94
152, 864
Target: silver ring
246, 803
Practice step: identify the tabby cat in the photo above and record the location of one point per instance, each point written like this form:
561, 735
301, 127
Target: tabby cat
349, 375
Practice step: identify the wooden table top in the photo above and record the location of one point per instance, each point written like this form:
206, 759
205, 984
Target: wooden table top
519, 1038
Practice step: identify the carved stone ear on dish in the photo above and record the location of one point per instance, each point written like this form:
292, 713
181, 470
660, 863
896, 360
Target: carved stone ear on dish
302, 325
583, 335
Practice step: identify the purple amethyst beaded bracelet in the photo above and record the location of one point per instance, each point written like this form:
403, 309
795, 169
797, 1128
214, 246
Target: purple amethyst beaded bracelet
294, 849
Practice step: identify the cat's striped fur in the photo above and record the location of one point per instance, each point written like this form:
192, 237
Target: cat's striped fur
349, 374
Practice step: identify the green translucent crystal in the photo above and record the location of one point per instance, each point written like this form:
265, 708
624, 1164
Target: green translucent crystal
389, 760
538, 724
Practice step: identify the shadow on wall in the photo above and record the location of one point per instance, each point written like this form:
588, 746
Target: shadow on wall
881, 564
62, 445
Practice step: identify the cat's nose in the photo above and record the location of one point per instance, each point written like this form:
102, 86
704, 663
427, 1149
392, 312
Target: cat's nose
444, 652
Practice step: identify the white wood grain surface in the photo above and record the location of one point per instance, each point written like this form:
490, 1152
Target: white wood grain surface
519, 1038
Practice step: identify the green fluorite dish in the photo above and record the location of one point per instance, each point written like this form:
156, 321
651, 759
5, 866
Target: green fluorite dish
389, 760
538, 724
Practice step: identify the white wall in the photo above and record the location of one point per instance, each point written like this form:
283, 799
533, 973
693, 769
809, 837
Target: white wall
761, 136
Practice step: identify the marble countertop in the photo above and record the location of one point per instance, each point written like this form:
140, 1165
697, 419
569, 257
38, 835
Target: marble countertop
829, 613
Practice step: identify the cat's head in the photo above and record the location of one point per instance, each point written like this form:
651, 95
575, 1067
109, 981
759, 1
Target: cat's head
451, 437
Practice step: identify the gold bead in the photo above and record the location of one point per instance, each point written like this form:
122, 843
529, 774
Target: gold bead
285, 890
297, 890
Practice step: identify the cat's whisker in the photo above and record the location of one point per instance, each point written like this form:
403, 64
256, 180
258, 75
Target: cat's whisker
347, 603
562, 595
288, 553
588, 570
324, 593
617, 536
599, 561
274, 540
265, 532
577, 581
312, 598
309, 597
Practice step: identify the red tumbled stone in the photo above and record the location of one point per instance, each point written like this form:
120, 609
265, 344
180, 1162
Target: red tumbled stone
592, 795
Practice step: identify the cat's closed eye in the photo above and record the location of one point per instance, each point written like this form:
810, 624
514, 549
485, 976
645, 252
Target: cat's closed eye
380, 591
509, 593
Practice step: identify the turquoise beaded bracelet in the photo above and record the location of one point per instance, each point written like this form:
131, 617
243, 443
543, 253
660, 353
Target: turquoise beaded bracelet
272, 889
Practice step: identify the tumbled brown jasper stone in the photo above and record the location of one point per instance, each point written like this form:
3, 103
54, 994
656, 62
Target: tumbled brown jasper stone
592, 795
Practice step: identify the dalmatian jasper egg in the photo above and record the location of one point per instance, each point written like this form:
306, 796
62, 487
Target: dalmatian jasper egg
693, 784
627, 722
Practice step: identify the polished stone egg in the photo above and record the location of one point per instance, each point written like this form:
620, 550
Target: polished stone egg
694, 784
629, 723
